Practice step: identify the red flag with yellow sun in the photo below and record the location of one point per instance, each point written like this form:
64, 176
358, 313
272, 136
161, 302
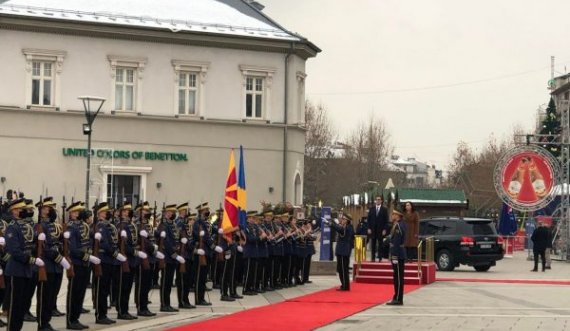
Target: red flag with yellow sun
230, 220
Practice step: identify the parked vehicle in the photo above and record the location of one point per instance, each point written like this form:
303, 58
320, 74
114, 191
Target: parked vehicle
469, 241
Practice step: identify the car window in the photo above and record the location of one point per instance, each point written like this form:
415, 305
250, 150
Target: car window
448, 228
479, 228
431, 228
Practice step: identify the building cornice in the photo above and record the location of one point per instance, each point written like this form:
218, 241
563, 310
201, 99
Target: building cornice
303, 48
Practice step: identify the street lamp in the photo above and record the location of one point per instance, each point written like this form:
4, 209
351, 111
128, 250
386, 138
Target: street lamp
89, 104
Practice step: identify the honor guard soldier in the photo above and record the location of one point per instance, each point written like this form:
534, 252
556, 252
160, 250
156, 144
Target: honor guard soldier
397, 238
228, 247
277, 252
48, 236
263, 256
204, 247
52, 216
185, 249
311, 238
128, 246
33, 283
107, 238
235, 264
19, 244
170, 236
250, 253
79, 243
147, 244
344, 243
4, 256
218, 259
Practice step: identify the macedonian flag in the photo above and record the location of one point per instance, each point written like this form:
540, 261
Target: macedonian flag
230, 220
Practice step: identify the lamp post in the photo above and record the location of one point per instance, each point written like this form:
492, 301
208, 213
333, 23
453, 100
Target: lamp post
89, 104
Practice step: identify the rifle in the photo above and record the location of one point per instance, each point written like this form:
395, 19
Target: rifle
144, 262
202, 259
161, 262
70, 271
124, 265
219, 256
42, 275
97, 269
182, 267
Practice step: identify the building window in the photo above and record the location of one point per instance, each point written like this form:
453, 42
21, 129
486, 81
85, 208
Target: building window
127, 75
187, 92
189, 87
254, 97
125, 89
42, 83
43, 68
257, 83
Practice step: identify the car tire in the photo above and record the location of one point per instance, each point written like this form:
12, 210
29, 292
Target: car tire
444, 260
482, 268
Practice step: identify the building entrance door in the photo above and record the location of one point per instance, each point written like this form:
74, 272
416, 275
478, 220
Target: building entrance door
123, 188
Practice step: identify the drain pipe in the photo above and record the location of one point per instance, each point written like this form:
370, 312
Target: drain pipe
285, 121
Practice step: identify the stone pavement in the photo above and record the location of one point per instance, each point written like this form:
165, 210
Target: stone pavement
440, 306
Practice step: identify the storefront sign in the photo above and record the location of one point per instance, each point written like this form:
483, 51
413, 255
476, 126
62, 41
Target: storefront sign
125, 154
525, 177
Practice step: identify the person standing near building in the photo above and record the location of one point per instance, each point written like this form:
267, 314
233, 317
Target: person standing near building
206, 246
250, 254
169, 234
377, 224
412, 221
185, 249
540, 238
343, 248
33, 283
397, 256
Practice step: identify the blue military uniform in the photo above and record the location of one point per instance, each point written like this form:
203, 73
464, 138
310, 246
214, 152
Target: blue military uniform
206, 243
143, 282
170, 236
345, 241
398, 258
183, 279
250, 253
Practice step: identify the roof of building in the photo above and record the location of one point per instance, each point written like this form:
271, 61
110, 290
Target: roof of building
222, 17
431, 196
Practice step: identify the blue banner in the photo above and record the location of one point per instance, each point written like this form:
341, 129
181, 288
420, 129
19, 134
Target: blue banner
326, 243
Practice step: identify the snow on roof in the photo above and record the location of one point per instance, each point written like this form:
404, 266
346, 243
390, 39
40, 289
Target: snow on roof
229, 17
423, 201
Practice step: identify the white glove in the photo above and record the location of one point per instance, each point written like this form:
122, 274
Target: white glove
123, 234
184, 241
39, 262
228, 256
2, 241
240, 249
66, 234
163, 234
98, 236
159, 255
94, 259
121, 257
1, 272
155, 247
142, 255
144, 234
65, 264
221, 231
200, 251
336, 220
180, 259
42, 236
314, 222
202, 233
218, 249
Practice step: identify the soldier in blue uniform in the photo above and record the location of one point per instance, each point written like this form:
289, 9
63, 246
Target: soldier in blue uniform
205, 246
250, 253
19, 244
33, 283
49, 235
344, 244
170, 235
228, 246
107, 235
186, 251
397, 256
80, 251
218, 259
262, 255
277, 251
143, 282
4, 256
310, 238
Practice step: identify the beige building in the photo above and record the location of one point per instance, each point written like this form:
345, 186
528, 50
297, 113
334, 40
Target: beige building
184, 83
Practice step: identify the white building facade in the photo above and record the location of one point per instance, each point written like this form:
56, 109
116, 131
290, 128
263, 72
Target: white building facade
184, 83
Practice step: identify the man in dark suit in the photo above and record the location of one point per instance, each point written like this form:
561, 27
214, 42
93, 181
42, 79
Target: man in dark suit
377, 223
540, 238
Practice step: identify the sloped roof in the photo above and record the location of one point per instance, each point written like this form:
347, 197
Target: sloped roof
225, 17
431, 196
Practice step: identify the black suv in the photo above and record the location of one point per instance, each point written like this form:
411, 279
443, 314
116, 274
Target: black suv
470, 241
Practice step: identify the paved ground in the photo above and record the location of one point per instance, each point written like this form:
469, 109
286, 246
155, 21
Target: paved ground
440, 306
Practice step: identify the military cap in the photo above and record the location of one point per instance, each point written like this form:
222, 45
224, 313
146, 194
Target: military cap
29, 204
183, 206
268, 213
397, 211
252, 213
76, 206
170, 208
192, 216
348, 217
125, 206
202, 206
46, 202
145, 206
103, 206
17, 204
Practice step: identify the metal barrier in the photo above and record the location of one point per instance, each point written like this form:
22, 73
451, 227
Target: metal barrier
359, 251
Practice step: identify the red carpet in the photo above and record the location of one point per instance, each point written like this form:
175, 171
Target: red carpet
306, 312
508, 281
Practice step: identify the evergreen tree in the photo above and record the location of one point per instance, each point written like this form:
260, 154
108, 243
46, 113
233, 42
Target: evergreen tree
551, 126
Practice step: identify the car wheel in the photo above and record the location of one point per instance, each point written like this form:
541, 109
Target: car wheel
482, 268
444, 261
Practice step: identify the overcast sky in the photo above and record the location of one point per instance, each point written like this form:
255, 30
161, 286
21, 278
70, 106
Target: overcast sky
391, 57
